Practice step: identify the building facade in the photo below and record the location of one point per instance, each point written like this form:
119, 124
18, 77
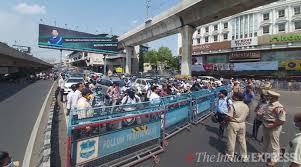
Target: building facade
261, 36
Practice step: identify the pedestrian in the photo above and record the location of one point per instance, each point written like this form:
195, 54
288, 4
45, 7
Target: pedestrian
222, 110
294, 149
6, 160
236, 87
76, 96
61, 85
69, 98
273, 117
154, 95
236, 128
248, 96
83, 105
258, 110
114, 93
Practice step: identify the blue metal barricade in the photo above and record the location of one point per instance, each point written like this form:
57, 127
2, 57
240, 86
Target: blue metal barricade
126, 134
117, 138
178, 113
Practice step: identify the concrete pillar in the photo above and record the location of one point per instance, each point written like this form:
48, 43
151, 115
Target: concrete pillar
128, 61
186, 32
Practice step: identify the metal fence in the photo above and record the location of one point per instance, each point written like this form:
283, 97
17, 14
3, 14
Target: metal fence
285, 85
124, 135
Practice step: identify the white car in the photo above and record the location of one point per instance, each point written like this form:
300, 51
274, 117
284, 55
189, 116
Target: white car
70, 81
207, 79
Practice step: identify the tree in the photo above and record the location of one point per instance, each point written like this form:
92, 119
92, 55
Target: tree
162, 57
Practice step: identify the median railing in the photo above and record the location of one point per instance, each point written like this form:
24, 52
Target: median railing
128, 134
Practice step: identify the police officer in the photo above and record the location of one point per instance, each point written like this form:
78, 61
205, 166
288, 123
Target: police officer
236, 128
273, 117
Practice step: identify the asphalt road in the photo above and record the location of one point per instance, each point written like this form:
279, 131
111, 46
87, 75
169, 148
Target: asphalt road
182, 148
18, 113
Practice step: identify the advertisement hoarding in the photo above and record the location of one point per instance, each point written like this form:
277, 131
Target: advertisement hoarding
64, 39
292, 65
249, 66
244, 42
245, 56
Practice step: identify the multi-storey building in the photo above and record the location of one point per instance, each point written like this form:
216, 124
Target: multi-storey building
267, 33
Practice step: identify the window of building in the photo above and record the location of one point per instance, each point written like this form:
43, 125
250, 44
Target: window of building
255, 34
241, 36
233, 37
246, 35
207, 29
236, 36
251, 34
199, 31
281, 13
297, 25
281, 27
215, 27
198, 40
226, 36
225, 25
206, 39
266, 16
297, 10
215, 38
265, 29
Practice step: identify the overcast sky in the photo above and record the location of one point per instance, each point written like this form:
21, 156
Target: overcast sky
20, 18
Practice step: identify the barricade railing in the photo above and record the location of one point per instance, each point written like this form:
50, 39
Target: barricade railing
117, 138
123, 135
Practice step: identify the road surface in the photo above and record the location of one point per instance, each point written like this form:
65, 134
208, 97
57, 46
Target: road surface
183, 147
18, 113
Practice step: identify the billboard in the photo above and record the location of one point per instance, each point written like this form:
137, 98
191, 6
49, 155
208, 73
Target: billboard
64, 39
248, 66
292, 65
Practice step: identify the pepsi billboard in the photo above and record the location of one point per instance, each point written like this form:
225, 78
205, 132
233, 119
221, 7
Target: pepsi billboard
64, 39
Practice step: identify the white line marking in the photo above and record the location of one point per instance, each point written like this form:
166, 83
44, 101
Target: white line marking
29, 148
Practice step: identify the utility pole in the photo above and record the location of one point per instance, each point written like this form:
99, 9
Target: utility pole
148, 5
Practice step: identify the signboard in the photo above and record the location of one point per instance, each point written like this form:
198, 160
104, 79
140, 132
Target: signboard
292, 65
87, 150
176, 115
250, 66
119, 70
244, 42
245, 56
211, 46
63, 39
256, 66
281, 38
197, 64
121, 140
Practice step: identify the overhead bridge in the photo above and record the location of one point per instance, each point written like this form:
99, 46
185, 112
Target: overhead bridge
183, 18
12, 60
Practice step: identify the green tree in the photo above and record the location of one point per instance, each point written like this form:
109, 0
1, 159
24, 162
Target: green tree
151, 57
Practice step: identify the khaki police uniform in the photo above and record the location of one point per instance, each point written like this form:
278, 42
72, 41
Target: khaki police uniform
272, 112
237, 128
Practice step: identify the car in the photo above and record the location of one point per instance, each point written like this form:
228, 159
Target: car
140, 83
71, 81
105, 83
209, 78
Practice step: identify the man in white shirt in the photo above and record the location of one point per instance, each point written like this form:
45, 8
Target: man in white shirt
76, 95
83, 105
69, 98
61, 86
294, 149
131, 98
154, 96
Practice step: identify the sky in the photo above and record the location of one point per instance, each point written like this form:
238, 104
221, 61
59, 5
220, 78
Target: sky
19, 20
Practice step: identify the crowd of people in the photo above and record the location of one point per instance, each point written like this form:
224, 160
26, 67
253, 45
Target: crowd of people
232, 110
